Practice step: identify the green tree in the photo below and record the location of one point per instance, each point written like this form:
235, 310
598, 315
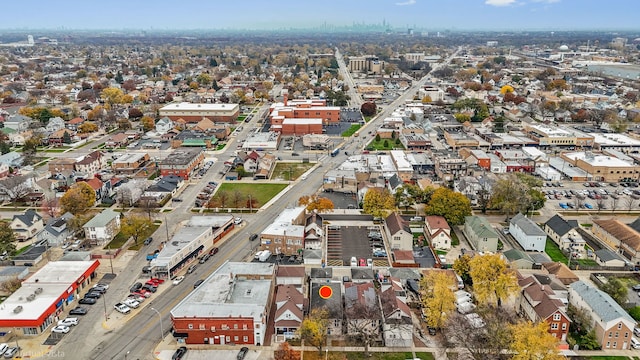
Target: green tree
135, 226
378, 202
313, 329
498, 124
452, 205
438, 299
66, 138
78, 198
510, 195
377, 137
492, 278
7, 238
616, 289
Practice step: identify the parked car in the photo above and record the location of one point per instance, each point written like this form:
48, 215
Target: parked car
149, 287
253, 237
242, 353
148, 240
179, 354
143, 293
87, 301
78, 311
93, 295
131, 303
70, 321
3, 348
237, 221
135, 287
122, 308
192, 268
213, 251
198, 283
178, 280
204, 258
11, 352
155, 281
136, 297
60, 329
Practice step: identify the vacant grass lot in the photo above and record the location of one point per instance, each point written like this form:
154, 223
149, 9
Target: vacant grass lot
350, 131
379, 145
554, 252
340, 355
261, 192
290, 171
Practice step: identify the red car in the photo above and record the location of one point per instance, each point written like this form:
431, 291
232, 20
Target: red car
155, 282
213, 251
363, 262
144, 293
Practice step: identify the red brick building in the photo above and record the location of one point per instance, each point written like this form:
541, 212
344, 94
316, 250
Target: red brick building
302, 116
181, 162
193, 113
230, 307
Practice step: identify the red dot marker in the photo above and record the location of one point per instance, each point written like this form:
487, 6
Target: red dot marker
325, 292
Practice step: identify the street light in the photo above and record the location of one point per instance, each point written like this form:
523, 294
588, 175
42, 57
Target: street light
161, 329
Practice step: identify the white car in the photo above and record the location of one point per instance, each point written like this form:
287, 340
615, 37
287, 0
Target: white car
178, 280
122, 308
102, 285
131, 303
237, 221
70, 321
61, 329
3, 348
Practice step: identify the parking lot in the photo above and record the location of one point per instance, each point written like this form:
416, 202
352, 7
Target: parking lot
591, 196
149, 144
345, 242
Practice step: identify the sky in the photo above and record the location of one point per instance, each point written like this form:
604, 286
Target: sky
280, 14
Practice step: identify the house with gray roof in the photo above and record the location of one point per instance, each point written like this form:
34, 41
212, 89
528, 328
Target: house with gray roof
606, 257
333, 304
18, 122
57, 231
612, 324
27, 225
518, 259
480, 234
103, 227
527, 233
563, 233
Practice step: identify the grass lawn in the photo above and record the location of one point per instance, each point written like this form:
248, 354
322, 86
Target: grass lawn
220, 146
22, 249
145, 235
368, 118
341, 355
554, 252
261, 192
585, 262
605, 357
290, 171
454, 239
379, 145
350, 131
117, 242
242, 117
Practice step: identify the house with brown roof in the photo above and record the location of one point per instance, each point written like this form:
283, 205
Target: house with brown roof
619, 235
289, 312
561, 272
57, 137
98, 186
74, 123
438, 232
291, 275
61, 166
117, 140
403, 257
398, 232
91, 163
397, 324
538, 302
204, 125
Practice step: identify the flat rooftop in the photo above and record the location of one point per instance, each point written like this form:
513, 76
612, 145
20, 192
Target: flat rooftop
129, 158
181, 239
199, 106
229, 293
60, 272
614, 140
181, 156
599, 160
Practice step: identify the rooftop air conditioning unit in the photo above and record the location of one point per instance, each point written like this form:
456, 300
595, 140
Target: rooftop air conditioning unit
31, 297
17, 309
39, 290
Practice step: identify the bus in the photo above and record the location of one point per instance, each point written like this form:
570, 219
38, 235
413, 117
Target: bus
335, 152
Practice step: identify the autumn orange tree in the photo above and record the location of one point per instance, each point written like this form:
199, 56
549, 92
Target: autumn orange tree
533, 341
147, 123
313, 329
78, 198
87, 127
378, 202
286, 352
493, 279
316, 203
438, 299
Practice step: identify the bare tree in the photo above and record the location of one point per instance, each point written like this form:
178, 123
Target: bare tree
363, 322
600, 204
628, 203
15, 188
489, 342
614, 203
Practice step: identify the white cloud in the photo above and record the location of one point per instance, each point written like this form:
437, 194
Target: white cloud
546, 1
499, 2
405, 3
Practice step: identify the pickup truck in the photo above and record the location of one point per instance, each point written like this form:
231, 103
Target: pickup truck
122, 308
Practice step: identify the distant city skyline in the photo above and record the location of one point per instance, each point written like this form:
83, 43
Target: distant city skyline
285, 14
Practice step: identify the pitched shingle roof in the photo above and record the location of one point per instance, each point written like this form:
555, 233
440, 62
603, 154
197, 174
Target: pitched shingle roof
607, 255
481, 227
561, 271
29, 217
395, 224
559, 225
527, 225
602, 305
621, 231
